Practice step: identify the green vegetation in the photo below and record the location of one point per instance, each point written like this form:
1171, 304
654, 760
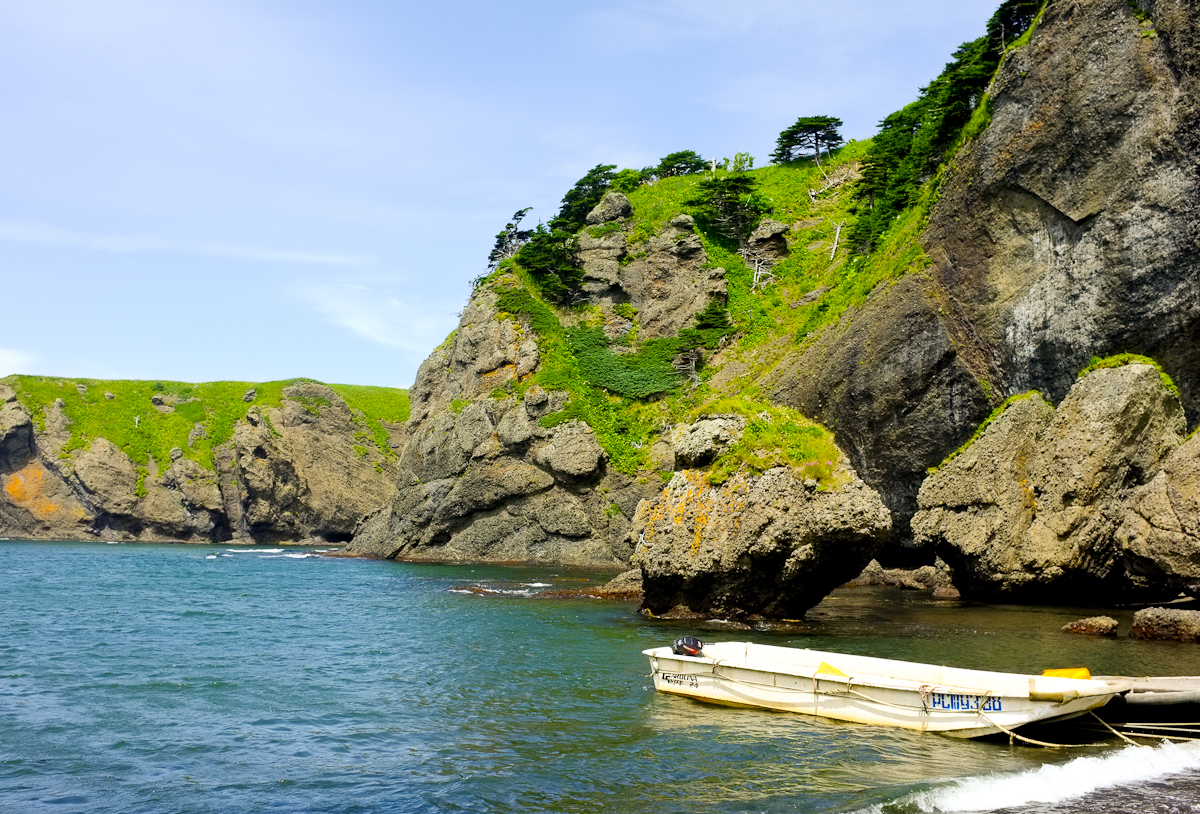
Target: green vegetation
373, 406
583, 197
810, 135
913, 142
684, 162
202, 418
729, 206
774, 436
508, 242
549, 258
999, 411
1122, 359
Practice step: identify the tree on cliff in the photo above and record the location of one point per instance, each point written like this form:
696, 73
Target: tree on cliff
509, 241
729, 206
583, 197
1011, 20
808, 136
549, 256
684, 162
914, 141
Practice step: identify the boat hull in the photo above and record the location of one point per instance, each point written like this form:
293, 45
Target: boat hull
949, 701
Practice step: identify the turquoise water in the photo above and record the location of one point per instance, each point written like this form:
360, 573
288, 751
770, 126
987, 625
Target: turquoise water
138, 678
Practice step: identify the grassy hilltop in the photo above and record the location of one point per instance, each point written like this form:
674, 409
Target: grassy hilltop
196, 417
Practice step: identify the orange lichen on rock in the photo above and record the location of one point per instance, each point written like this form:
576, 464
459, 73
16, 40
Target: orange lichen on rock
27, 489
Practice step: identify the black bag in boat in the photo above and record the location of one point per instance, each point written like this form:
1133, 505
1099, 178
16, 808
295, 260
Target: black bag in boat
687, 646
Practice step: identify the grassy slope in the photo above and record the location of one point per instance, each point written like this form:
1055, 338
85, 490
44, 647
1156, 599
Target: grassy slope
132, 423
626, 428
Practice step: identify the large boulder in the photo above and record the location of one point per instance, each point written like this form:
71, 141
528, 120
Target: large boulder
1171, 624
1031, 508
770, 546
613, 207
1160, 530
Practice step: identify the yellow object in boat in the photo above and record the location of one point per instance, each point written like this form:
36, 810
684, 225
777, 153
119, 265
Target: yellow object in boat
1069, 672
826, 669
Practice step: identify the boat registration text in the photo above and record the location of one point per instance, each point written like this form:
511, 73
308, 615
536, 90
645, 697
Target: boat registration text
940, 700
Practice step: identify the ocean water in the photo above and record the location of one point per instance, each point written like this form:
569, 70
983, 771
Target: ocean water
141, 678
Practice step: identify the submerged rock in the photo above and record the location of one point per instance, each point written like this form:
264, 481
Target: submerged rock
1093, 626
1166, 623
755, 546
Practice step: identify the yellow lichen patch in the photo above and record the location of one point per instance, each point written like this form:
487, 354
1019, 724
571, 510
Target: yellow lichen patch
27, 489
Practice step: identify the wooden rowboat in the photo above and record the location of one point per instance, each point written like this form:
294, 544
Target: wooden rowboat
947, 700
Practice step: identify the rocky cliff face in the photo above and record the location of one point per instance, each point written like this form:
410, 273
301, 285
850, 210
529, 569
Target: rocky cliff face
1067, 229
299, 472
480, 478
1085, 501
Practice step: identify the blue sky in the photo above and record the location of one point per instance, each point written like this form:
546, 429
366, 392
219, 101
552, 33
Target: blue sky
265, 189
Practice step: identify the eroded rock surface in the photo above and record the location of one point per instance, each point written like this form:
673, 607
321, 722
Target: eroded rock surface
1031, 508
766, 546
1067, 229
298, 473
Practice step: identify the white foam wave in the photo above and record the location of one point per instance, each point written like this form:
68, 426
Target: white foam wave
254, 550
537, 584
1055, 783
291, 555
211, 557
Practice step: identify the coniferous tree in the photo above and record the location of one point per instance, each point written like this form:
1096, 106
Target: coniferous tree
810, 135
729, 206
583, 197
684, 162
549, 256
509, 241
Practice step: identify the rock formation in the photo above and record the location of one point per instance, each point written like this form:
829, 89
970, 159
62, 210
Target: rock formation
1067, 229
1171, 624
1031, 509
1092, 626
768, 546
481, 480
293, 473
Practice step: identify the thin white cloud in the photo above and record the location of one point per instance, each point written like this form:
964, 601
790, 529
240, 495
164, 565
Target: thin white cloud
24, 231
379, 315
15, 361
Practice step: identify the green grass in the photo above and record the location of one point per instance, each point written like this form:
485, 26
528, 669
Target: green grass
1122, 359
774, 436
373, 405
131, 422
999, 411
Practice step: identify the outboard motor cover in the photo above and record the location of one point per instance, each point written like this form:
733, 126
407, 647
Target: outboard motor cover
687, 646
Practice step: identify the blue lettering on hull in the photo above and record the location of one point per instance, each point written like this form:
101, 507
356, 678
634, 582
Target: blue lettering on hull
964, 703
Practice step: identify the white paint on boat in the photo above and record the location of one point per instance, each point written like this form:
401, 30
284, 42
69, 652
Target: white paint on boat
948, 700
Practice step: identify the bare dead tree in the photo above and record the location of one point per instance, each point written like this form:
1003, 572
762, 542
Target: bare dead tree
836, 237
685, 365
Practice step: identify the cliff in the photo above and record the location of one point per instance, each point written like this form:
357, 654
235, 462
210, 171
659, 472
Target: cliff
279, 462
1065, 229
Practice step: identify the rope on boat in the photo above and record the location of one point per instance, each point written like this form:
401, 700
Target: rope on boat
1115, 732
1012, 734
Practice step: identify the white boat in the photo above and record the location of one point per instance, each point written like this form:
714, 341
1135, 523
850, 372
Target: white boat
947, 700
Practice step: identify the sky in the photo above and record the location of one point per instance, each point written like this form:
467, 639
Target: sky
253, 190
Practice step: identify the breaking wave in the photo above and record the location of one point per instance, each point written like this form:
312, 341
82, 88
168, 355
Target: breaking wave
1050, 784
